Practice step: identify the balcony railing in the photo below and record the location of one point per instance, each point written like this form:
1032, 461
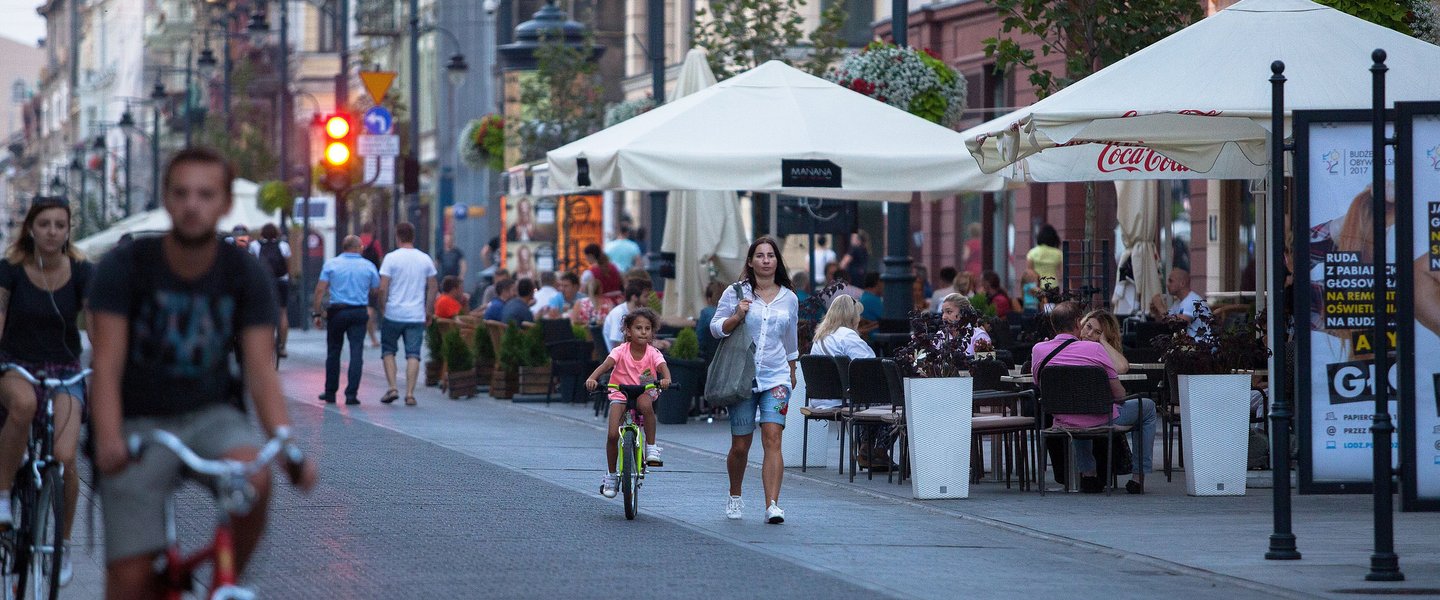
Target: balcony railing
377, 17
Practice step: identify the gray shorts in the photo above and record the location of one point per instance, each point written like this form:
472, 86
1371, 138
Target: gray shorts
133, 500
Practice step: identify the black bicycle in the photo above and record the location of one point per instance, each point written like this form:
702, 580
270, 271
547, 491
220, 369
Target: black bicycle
30, 552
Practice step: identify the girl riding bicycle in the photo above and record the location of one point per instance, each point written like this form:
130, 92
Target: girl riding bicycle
635, 363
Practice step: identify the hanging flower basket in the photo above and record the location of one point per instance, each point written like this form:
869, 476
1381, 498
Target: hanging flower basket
624, 111
482, 143
915, 81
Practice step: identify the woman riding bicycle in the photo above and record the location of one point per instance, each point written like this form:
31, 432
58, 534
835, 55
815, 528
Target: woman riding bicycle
635, 363
42, 291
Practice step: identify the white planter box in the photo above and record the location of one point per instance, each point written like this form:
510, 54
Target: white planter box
938, 413
793, 436
1215, 433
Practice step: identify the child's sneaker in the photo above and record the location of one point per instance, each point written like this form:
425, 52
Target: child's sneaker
652, 456
608, 487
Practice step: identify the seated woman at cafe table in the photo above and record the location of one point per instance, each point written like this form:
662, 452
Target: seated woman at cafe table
837, 335
1138, 412
952, 308
1101, 327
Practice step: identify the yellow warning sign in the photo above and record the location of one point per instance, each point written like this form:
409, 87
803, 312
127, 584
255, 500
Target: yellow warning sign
377, 83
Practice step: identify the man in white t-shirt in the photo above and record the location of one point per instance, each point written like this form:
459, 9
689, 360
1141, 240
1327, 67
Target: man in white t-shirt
407, 293
1189, 306
823, 256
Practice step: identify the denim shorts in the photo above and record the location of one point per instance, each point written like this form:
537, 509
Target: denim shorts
770, 404
390, 332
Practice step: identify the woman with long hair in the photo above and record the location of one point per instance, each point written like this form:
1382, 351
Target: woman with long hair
767, 305
837, 335
42, 293
954, 307
1102, 327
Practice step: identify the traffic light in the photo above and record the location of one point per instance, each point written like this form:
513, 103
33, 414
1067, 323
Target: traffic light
339, 155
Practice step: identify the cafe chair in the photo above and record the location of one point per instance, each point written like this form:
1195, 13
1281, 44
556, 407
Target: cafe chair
876, 400
826, 378
1075, 390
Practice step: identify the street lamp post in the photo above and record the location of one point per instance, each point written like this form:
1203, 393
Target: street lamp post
127, 126
412, 160
897, 274
157, 94
455, 72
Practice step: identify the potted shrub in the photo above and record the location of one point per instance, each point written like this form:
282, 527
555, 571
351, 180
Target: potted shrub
939, 403
534, 372
459, 366
1212, 375
435, 358
484, 356
505, 379
687, 371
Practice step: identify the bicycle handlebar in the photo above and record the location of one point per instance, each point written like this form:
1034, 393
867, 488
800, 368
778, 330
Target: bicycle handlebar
49, 382
221, 467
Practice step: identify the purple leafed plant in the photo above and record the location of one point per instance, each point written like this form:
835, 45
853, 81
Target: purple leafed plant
937, 347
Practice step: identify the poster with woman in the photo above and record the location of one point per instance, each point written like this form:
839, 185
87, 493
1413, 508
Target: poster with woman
1419, 178
1336, 346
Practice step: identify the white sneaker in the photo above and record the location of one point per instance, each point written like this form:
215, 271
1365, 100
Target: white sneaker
652, 456
67, 571
6, 519
608, 486
734, 507
774, 515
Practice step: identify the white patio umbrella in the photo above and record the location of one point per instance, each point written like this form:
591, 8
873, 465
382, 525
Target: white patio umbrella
244, 211
702, 226
775, 129
1196, 105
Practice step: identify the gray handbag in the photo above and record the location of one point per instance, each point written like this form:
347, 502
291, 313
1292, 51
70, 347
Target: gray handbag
730, 378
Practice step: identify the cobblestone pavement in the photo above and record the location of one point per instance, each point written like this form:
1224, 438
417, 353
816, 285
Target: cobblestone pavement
490, 499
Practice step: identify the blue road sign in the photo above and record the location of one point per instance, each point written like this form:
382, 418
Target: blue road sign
378, 120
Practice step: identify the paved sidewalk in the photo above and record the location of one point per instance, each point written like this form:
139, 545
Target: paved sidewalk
998, 543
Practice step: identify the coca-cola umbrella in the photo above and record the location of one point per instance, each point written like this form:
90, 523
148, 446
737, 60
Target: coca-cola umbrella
1196, 105
775, 129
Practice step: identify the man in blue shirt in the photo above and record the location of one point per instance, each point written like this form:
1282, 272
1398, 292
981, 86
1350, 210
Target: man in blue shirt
504, 291
347, 283
871, 300
517, 308
622, 250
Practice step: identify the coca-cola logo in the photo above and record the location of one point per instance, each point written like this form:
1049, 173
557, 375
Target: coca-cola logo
1135, 159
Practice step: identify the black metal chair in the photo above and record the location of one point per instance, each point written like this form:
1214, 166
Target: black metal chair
1075, 390
872, 403
569, 359
824, 380
556, 330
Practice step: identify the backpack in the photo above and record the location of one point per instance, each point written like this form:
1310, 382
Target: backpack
371, 252
272, 257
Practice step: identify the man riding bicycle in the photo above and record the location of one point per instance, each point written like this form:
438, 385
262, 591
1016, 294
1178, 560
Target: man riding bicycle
168, 312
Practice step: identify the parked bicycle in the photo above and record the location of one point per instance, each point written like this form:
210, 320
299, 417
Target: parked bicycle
30, 552
230, 482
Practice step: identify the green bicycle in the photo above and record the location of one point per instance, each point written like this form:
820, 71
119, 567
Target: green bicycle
630, 464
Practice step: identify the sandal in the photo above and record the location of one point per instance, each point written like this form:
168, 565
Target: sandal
390, 396
410, 401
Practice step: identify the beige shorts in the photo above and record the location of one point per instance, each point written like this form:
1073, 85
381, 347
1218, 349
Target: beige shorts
133, 500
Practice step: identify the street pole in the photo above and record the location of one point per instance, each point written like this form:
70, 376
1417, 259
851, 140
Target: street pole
229, 66
155, 161
188, 55
897, 275
655, 32
104, 149
342, 100
284, 100
305, 232
128, 183
1282, 539
1384, 563
412, 194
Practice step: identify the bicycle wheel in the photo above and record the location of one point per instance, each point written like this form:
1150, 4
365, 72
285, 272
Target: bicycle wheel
47, 531
9, 565
629, 474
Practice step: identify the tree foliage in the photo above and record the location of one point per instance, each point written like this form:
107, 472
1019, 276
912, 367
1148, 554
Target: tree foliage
1089, 35
742, 34
1410, 17
561, 101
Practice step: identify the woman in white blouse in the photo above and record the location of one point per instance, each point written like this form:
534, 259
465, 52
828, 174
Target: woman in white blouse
836, 336
769, 308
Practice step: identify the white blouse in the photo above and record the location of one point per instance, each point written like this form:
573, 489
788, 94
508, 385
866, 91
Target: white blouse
771, 326
841, 342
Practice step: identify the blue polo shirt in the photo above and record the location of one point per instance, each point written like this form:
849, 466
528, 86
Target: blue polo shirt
351, 278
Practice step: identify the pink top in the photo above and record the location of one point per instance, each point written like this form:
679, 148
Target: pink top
1082, 353
629, 371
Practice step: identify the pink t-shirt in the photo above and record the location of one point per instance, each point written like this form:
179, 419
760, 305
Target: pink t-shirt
1082, 353
634, 372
